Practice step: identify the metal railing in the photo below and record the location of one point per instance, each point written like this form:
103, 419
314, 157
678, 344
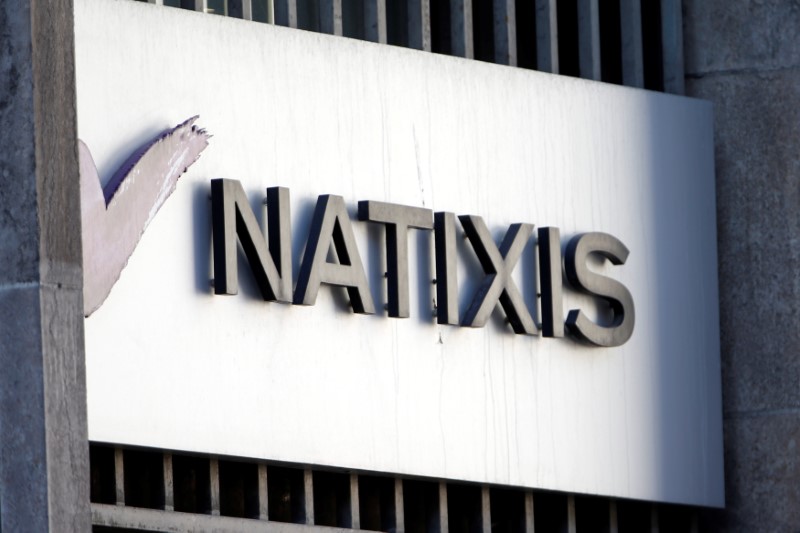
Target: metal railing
637, 43
158, 490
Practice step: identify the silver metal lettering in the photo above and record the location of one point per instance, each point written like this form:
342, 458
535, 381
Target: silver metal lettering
331, 225
498, 284
550, 277
444, 229
397, 219
612, 291
232, 217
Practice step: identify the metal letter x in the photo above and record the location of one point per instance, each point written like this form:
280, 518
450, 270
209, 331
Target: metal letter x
498, 264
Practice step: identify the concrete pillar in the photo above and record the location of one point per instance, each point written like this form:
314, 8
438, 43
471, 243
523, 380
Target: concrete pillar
745, 57
44, 451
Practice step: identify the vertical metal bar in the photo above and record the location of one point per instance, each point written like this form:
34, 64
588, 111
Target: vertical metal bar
486, 509
271, 12
169, 484
399, 510
546, 36
355, 509
612, 517
247, 9
308, 493
529, 527
286, 13
375, 21
654, 518
505, 32
201, 5
461, 40
589, 39
263, 495
119, 475
330, 16
571, 525
419, 24
672, 46
213, 478
156, 2
444, 517
630, 15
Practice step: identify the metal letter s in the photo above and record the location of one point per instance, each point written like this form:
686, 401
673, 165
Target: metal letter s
612, 291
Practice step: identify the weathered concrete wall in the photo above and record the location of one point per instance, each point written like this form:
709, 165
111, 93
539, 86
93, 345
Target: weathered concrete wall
745, 57
44, 467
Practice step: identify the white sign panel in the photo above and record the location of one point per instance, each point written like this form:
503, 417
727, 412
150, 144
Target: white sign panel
172, 365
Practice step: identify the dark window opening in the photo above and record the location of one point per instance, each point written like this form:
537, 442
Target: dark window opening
308, 15
421, 506
526, 33
353, 18
260, 11
675, 518
592, 514
507, 510
483, 29
397, 22
464, 509
651, 46
216, 7
610, 42
286, 494
235, 9
440, 27
550, 512
567, 14
238, 489
376, 503
102, 478
332, 499
191, 484
144, 479
633, 516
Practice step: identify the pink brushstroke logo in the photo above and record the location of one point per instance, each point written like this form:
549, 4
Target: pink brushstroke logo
114, 217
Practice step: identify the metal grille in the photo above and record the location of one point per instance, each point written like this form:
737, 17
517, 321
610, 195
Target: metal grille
630, 42
156, 490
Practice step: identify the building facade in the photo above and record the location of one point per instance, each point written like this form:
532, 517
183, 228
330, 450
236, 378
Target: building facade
739, 56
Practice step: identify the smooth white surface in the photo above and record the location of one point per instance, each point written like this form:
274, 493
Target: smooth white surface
171, 365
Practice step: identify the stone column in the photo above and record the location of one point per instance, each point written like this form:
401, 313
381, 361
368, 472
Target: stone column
44, 453
744, 56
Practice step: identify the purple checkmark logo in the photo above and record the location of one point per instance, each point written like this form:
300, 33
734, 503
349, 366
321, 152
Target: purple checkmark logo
114, 217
